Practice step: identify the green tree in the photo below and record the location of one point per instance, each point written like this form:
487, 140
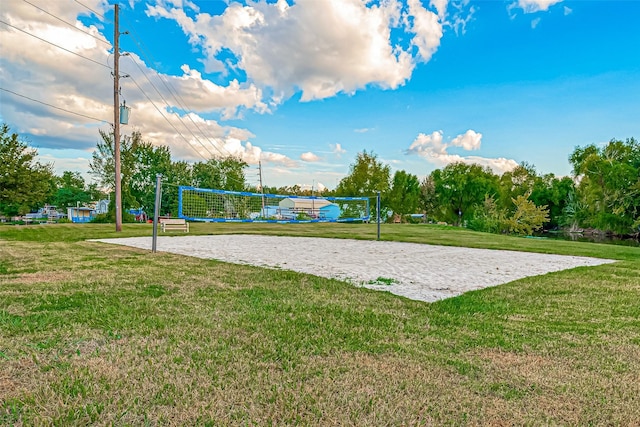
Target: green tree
102, 166
178, 174
70, 190
489, 217
527, 217
524, 220
517, 182
95, 193
148, 161
404, 195
232, 171
366, 176
553, 192
574, 212
542, 190
428, 197
609, 185
25, 184
221, 174
461, 187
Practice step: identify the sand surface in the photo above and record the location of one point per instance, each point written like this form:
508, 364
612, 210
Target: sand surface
418, 271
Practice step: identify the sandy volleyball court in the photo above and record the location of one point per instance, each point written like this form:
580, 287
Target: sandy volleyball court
416, 271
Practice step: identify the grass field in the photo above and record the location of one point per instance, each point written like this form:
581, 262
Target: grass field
97, 334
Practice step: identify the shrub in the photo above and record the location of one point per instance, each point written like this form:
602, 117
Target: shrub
489, 217
527, 217
110, 217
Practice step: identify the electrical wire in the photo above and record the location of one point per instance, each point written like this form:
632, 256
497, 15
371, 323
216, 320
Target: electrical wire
53, 44
166, 119
174, 93
182, 121
57, 108
87, 7
167, 104
182, 105
68, 23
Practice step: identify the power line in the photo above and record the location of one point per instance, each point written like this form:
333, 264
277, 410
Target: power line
165, 118
174, 93
53, 106
53, 44
87, 7
182, 105
166, 103
68, 23
177, 131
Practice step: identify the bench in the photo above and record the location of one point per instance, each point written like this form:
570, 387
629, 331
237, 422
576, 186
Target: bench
174, 224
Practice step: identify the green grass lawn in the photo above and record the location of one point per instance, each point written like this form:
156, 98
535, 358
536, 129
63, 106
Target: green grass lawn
100, 334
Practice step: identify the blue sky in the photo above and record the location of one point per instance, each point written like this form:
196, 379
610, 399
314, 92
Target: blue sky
304, 86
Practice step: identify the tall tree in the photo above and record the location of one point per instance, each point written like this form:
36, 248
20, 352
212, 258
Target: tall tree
25, 183
148, 161
232, 171
404, 195
178, 174
102, 165
461, 187
222, 174
542, 190
518, 182
70, 190
609, 186
552, 192
428, 197
367, 176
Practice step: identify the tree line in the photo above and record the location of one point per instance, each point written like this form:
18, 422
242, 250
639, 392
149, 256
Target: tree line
26, 184
603, 192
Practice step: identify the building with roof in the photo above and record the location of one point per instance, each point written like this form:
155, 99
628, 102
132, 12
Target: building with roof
80, 214
295, 206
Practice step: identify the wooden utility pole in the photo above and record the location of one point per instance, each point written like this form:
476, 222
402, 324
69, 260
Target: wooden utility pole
116, 117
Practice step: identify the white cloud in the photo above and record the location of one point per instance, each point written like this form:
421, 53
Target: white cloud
427, 29
206, 96
362, 130
62, 164
567, 11
428, 145
351, 42
461, 16
535, 22
352, 45
337, 149
433, 148
440, 6
309, 157
531, 6
314, 186
253, 154
470, 140
35, 69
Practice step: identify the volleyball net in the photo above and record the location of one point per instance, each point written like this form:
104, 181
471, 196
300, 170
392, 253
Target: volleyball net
210, 205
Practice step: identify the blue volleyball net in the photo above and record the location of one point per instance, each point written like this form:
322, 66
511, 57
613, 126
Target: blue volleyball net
203, 204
